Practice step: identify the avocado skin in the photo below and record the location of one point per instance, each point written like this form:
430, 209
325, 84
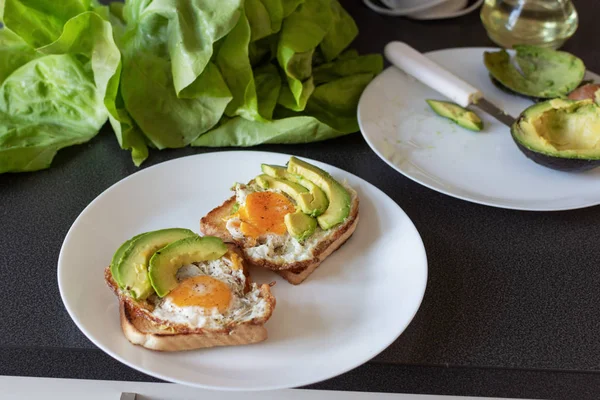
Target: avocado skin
507, 90
557, 163
533, 61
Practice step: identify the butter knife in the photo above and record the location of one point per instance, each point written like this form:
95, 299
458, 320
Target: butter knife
441, 80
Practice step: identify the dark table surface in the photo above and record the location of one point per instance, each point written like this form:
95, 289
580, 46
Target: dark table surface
511, 307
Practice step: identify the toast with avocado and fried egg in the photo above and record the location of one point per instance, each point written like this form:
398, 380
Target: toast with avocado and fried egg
287, 219
180, 291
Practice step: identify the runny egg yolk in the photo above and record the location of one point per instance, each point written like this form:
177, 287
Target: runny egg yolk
202, 291
264, 212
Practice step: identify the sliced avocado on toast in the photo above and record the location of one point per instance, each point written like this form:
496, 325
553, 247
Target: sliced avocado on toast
117, 258
299, 225
318, 200
299, 193
165, 263
339, 198
132, 269
462, 116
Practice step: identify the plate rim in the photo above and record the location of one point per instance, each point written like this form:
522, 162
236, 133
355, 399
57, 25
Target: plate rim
467, 198
421, 250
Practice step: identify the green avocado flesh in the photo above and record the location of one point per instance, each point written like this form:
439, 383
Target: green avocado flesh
463, 117
541, 73
297, 192
560, 129
165, 263
132, 269
117, 258
317, 202
299, 225
339, 198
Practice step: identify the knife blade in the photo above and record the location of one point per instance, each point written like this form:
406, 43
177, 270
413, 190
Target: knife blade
485, 106
441, 80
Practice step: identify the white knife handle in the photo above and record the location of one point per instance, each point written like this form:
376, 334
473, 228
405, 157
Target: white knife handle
431, 74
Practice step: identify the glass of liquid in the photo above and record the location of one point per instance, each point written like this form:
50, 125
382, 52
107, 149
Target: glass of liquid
544, 23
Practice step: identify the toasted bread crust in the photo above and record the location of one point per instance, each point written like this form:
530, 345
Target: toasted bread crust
142, 332
297, 277
142, 328
214, 224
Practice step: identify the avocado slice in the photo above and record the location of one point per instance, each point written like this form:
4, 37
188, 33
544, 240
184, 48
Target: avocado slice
540, 73
318, 202
132, 269
299, 193
165, 263
117, 258
560, 134
299, 225
339, 198
462, 116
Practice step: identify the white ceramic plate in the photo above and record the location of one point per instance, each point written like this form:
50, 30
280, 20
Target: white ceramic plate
350, 309
483, 167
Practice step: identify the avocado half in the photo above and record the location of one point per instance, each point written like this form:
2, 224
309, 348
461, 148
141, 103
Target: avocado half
540, 73
560, 134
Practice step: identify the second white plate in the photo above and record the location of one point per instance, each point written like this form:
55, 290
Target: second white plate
351, 308
482, 167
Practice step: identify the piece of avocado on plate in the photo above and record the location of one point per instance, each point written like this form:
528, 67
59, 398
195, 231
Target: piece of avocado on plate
537, 73
460, 115
165, 263
560, 134
131, 272
339, 198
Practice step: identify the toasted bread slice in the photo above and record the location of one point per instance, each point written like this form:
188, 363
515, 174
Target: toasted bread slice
142, 328
214, 223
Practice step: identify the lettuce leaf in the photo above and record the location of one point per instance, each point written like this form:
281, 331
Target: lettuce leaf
40, 22
170, 73
234, 63
347, 66
300, 35
45, 105
268, 85
193, 26
14, 53
264, 16
342, 32
69, 72
167, 117
289, 6
90, 35
335, 103
243, 133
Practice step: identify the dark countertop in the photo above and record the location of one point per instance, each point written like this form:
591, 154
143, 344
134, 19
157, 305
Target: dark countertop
512, 298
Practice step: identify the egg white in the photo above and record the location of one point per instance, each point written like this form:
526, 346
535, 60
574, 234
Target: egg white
243, 307
277, 248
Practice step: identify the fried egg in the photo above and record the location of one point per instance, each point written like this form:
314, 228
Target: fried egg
263, 213
211, 295
265, 210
